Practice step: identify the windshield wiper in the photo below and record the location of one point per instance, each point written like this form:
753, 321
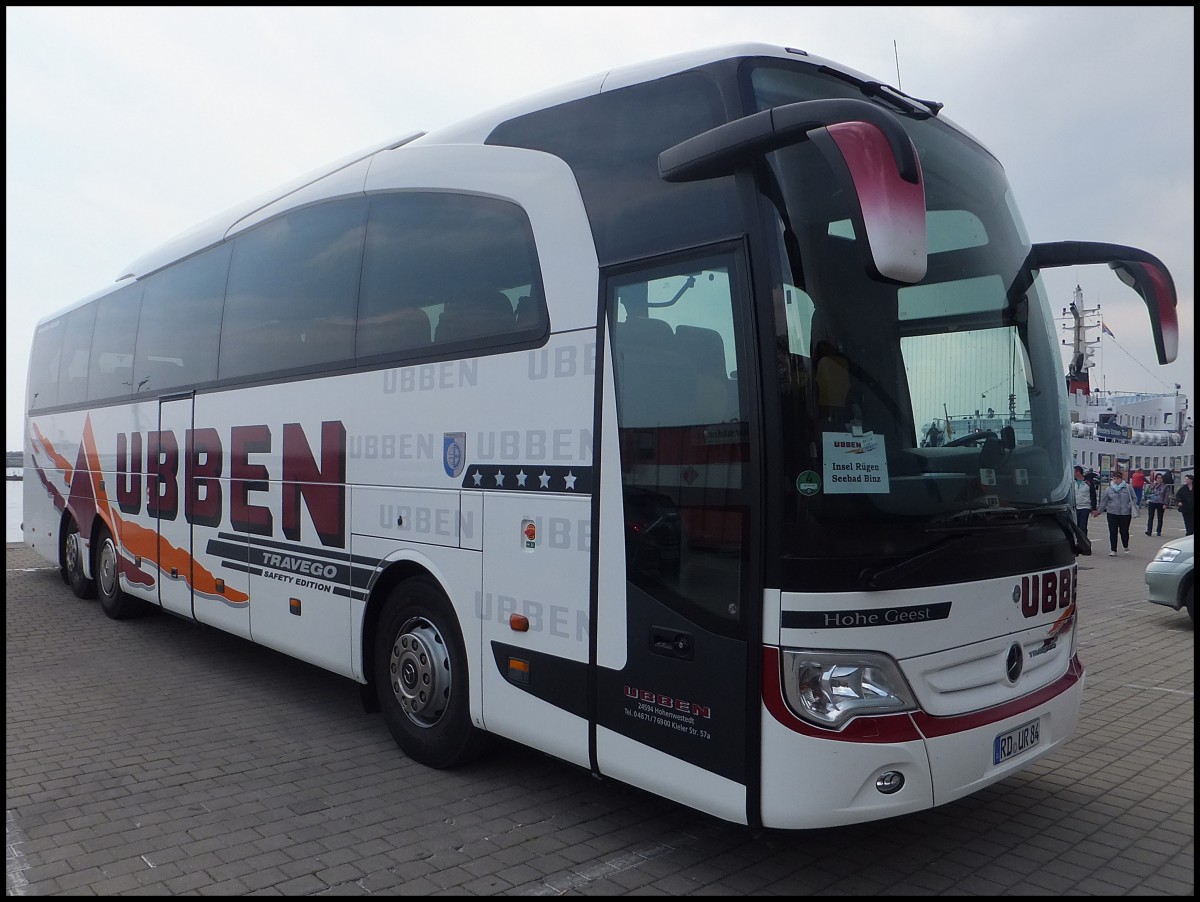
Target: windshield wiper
969, 521
887, 577
918, 108
966, 523
983, 518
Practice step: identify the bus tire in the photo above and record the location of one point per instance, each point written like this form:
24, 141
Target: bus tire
72, 558
113, 600
421, 677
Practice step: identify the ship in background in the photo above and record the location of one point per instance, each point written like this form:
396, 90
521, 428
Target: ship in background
1150, 431
1131, 430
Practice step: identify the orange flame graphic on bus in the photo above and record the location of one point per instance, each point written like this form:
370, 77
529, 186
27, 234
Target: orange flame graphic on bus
88, 498
61, 462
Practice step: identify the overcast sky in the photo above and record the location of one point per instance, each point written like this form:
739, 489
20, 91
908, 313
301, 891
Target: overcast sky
128, 126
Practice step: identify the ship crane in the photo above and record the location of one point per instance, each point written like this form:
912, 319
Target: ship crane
1082, 348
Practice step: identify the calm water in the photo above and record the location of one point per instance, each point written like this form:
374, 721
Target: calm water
12, 523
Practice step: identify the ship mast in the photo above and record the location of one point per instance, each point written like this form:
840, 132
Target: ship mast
1081, 347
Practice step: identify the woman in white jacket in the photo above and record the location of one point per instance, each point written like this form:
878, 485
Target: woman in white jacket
1117, 501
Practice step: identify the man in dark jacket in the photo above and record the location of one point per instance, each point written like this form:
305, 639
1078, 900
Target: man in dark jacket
1185, 501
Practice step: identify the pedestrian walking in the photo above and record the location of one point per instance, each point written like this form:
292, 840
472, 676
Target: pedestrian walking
1156, 503
1168, 476
1117, 502
1085, 499
1184, 501
1138, 481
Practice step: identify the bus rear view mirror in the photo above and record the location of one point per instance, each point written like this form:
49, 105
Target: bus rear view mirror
1143, 272
888, 211
866, 147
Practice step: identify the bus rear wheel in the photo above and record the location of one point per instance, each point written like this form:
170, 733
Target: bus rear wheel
113, 600
421, 677
72, 558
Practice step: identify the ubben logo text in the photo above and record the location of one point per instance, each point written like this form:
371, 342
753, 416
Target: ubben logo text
206, 459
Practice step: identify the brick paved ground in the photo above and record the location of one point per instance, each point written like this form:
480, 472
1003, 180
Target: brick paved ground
160, 757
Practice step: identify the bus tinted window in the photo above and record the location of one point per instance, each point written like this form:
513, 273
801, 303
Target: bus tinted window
44, 361
181, 322
293, 290
684, 434
446, 267
77, 348
111, 371
612, 142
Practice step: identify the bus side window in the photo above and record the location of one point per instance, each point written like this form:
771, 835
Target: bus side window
465, 260
684, 440
180, 325
116, 329
527, 313
713, 395
643, 349
76, 356
475, 314
395, 330
292, 293
45, 361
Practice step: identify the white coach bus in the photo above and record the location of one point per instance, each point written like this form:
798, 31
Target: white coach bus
595, 423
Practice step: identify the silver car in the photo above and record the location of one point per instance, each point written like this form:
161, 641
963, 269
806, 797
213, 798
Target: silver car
1170, 576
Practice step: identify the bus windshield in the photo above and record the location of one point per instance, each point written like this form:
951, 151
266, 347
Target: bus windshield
904, 406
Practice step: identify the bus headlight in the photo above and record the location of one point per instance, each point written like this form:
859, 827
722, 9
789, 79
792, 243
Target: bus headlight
829, 688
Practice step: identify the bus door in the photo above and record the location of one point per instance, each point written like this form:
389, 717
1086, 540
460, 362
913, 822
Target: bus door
165, 501
187, 496
675, 706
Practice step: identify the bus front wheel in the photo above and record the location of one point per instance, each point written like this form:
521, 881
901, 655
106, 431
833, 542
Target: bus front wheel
72, 558
421, 677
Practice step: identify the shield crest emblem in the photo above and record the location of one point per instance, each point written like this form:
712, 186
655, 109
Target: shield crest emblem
454, 452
